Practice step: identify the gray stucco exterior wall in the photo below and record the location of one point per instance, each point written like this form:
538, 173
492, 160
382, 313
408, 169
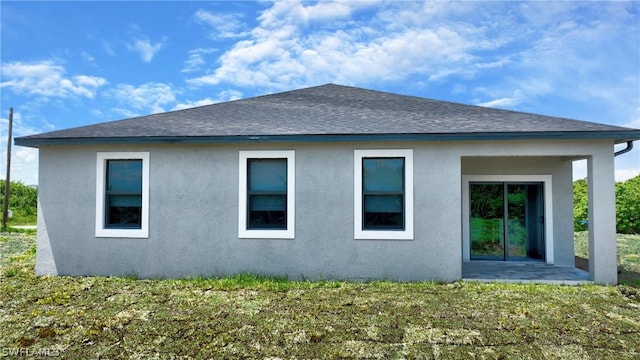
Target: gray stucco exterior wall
193, 227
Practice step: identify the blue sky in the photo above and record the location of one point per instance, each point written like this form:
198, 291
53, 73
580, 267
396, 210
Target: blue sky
67, 64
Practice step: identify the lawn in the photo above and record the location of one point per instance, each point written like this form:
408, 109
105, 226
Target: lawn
251, 317
628, 256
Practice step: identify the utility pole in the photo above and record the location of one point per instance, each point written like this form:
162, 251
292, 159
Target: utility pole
7, 179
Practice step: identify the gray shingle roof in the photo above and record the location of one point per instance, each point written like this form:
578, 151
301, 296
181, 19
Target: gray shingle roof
332, 112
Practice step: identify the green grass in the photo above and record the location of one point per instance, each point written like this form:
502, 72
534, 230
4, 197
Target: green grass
628, 255
250, 316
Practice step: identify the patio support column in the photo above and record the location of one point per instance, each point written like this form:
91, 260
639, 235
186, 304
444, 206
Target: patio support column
603, 268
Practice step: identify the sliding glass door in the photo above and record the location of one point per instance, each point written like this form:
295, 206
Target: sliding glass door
507, 220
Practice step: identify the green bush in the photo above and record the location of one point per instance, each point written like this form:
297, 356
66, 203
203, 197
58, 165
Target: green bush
23, 202
627, 205
580, 205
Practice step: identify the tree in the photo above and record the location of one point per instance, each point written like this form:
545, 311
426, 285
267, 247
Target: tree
627, 205
23, 202
580, 205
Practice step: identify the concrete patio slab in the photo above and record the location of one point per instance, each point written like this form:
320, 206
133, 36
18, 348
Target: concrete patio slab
523, 272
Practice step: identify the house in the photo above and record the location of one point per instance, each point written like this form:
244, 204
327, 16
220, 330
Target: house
327, 182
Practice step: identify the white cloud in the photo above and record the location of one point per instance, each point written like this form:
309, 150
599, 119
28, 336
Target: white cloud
627, 166
149, 97
625, 174
126, 113
579, 169
578, 53
190, 104
283, 53
90, 81
225, 25
26, 155
529, 51
24, 161
145, 48
24, 165
48, 79
295, 12
635, 123
323, 11
226, 95
196, 59
505, 102
229, 95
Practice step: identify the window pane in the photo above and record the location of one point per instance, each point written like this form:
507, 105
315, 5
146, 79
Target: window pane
267, 194
383, 203
267, 220
486, 202
124, 217
125, 200
383, 174
268, 202
383, 212
124, 194
268, 175
383, 193
378, 220
124, 176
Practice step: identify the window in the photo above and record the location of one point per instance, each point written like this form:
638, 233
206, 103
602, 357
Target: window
122, 194
383, 194
267, 195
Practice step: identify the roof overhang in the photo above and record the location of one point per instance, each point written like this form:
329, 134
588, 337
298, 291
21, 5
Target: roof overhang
620, 136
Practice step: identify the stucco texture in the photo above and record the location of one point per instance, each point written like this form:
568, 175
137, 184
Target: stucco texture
193, 219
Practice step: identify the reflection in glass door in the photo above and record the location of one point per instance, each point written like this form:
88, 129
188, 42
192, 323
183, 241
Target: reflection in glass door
507, 221
487, 220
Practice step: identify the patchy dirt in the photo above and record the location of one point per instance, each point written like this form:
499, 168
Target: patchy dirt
248, 316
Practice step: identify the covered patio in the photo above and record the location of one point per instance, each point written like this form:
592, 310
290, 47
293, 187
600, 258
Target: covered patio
521, 208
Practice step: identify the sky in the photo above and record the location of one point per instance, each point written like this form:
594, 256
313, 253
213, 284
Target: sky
68, 64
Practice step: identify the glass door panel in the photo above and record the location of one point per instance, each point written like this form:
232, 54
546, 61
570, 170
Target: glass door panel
506, 221
535, 221
487, 221
517, 224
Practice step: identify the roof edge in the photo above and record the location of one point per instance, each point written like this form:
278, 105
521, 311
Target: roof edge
619, 136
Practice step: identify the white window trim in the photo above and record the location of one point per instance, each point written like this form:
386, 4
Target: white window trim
245, 233
101, 169
548, 208
407, 233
